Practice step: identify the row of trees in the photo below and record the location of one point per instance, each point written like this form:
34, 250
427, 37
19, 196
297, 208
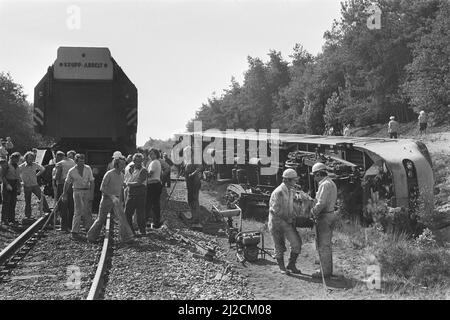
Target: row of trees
362, 75
16, 116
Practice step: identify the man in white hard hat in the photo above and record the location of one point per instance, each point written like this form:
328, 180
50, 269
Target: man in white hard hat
323, 213
282, 222
116, 155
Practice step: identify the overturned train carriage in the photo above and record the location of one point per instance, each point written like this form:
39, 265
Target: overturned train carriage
87, 103
366, 170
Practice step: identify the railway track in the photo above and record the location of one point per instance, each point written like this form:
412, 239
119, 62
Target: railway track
44, 264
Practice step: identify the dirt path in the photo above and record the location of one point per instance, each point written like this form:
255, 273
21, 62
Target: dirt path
266, 282
350, 263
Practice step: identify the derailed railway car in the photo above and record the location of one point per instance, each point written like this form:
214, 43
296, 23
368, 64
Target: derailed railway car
87, 103
366, 170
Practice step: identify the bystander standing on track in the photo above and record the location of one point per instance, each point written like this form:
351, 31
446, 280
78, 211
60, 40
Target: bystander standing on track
136, 182
66, 208
82, 179
154, 188
29, 177
11, 189
59, 157
112, 202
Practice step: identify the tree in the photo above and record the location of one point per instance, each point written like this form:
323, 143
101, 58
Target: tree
16, 118
332, 111
428, 76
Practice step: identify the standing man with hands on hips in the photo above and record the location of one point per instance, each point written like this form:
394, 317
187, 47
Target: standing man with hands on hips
82, 179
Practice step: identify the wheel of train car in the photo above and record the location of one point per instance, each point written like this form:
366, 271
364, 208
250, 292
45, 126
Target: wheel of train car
251, 253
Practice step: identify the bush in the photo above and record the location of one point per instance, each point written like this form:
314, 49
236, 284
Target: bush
424, 265
432, 267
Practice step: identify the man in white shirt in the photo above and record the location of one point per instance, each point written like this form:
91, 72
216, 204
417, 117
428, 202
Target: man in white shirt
154, 188
282, 222
323, 212
82, 179
29, 177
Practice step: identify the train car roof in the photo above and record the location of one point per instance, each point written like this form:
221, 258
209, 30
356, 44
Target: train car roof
286, 138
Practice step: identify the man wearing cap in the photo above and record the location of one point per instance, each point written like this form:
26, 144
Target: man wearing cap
393, 127
5, 146
282, 222
323, 213
82, 179
11, 188
66, 208
29, 177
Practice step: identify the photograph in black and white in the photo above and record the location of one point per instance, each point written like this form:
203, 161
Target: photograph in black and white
225, 150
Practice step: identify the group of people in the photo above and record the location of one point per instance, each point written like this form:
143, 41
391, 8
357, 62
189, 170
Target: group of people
331, 131
394, 126
131, 185
17, 171
282, 220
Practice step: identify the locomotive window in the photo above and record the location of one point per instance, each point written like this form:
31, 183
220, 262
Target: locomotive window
98, 157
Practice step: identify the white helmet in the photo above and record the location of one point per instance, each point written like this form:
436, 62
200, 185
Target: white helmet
422, 112
290, 174
117, 155
319, 166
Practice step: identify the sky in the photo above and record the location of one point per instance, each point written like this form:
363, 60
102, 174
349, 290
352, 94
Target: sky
178, 53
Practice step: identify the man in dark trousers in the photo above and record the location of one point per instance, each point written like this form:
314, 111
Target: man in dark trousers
112, 198
11, 189
154, 189
136, 182
323, 212
193, 173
